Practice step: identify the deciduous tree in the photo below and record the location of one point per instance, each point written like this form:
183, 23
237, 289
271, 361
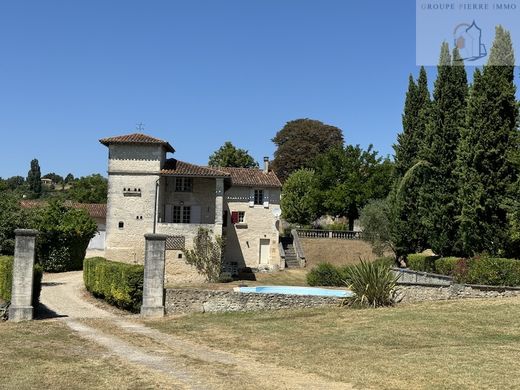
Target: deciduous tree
300, 142
230, 156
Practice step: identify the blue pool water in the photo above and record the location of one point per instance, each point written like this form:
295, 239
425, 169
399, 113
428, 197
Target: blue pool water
292, 290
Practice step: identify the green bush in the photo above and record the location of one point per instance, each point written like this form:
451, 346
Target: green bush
447, 265
325, 274
493, 271
373, 284
420, 262
119, 284
6, 280
388, 260
481, 270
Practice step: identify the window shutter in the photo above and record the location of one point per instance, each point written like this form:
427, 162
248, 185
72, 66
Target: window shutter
234, 217
251, 197
266, 198
195, 214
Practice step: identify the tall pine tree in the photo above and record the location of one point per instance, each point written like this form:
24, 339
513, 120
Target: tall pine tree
485, 169
438, 203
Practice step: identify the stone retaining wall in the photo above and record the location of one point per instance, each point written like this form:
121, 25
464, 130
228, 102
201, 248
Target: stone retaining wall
189, 300
213, 301
410, 294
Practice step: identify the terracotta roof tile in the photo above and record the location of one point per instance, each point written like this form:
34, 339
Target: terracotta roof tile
252, 177
95, 210
136, 138
173, 166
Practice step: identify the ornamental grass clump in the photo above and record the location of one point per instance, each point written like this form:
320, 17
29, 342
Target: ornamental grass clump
373, 283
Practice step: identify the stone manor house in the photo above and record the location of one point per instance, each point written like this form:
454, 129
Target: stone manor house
148, 192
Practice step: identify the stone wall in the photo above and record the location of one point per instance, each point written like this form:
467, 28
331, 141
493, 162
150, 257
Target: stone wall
411, 294
214, 301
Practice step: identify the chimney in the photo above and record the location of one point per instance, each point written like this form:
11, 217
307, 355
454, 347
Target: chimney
266, 164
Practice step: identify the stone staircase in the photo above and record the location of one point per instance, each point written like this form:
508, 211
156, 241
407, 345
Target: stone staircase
291, 260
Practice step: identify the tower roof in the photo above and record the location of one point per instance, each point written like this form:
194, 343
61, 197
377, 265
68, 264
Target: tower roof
136, 139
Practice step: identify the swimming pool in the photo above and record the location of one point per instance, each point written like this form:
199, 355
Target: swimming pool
293, 290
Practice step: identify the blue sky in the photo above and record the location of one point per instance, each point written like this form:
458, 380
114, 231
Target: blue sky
196, 73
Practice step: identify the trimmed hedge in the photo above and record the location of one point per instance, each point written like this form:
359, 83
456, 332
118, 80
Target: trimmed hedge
119, 284
6, 280
325, 274
448, 265
419, 262
492, 271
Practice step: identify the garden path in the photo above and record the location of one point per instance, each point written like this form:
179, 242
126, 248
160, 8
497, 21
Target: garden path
186, 363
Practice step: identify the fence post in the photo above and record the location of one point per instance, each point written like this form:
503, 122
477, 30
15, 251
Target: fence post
153, 283
23, 272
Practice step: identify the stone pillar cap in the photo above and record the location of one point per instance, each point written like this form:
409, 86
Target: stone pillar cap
26, 232
155, 236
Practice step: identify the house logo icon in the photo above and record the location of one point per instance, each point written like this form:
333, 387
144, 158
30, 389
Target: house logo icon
468, 39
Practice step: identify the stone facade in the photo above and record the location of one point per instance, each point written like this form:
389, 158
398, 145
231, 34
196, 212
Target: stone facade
142, 196
260, 223
214, 301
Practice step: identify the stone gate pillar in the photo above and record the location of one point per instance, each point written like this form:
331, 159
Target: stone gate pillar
153, 284
22, 289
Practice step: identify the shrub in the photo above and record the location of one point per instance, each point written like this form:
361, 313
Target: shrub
493, 271
388, 260
206, 255
119, 284
373, 284
446, 265
420, 262
6, 280
325, 274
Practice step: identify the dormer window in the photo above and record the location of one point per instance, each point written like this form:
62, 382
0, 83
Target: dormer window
183, 184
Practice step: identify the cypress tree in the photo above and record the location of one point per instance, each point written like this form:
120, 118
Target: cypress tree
407, 230
486, 172
34, 178
439, 193
414, 124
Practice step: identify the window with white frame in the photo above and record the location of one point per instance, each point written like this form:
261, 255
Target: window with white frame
259, 197
241, 216
183, 184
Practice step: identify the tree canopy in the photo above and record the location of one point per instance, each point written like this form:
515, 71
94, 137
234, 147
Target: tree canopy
300, 142
348, 177
89, 189
300, 197
230, 156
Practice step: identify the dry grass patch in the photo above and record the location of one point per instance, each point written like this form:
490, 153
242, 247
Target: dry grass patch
47, 354
440, 345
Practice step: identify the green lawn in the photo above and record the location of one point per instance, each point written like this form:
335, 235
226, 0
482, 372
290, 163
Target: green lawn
447, 345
